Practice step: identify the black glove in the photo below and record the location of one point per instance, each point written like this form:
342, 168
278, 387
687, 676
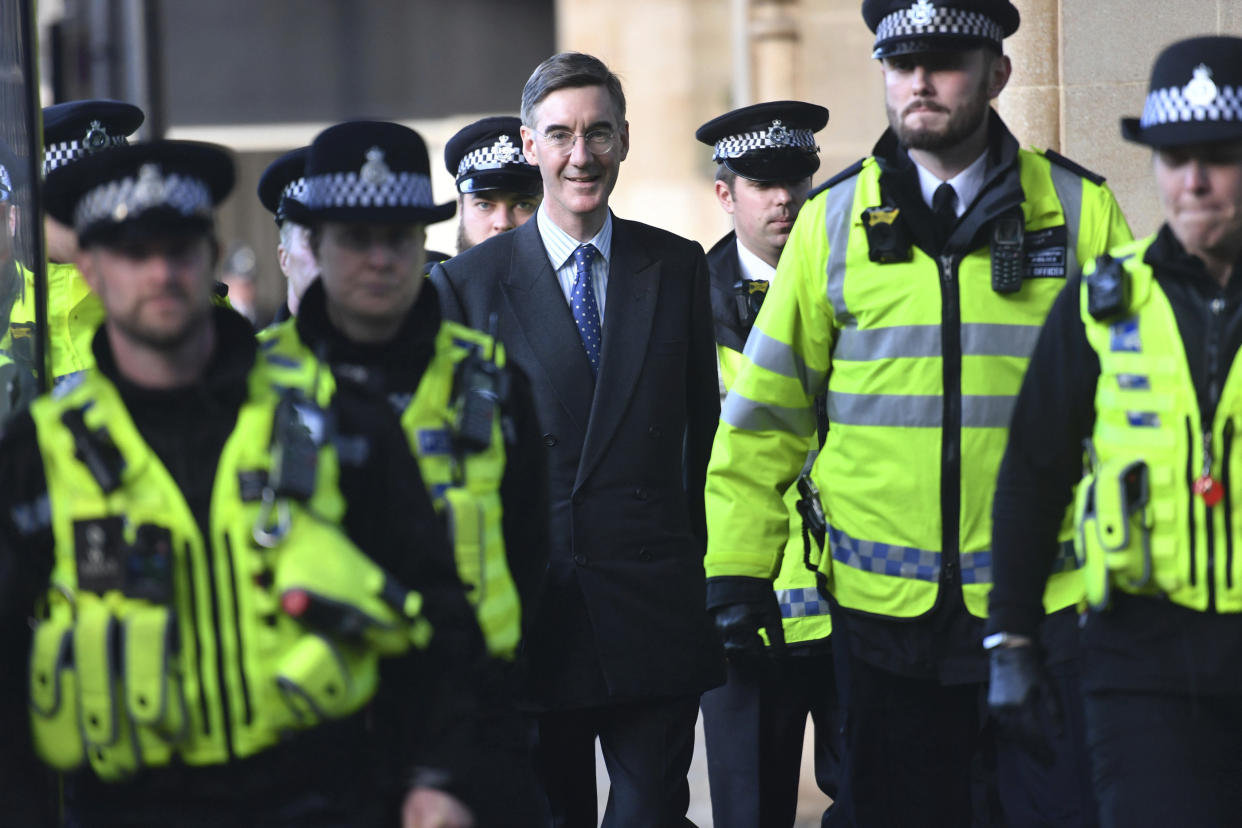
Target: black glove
1023, 704
740, 607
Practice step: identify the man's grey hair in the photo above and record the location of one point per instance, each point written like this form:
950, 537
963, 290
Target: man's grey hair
569, 70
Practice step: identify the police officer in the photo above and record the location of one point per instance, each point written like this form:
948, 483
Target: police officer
754, 725
205, 636
498, 189
912, 290
71, 131
284, 182
1138, 359
371, 320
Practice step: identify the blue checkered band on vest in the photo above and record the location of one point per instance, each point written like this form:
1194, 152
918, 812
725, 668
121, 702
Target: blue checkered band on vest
925, 19
126, 198
503, 153
1173, 106
800, 603
60, 154
776, 136
295, 190
923, 564
348, 189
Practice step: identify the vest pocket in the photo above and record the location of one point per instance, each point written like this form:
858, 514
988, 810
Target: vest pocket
320, 680
1113, 542
153, 690
111, 747
54, 700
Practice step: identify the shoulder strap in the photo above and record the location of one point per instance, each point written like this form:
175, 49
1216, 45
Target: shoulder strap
1061, 161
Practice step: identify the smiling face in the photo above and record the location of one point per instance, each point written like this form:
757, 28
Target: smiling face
1201, 192
372, 274
763, 212
938, 100
577, 181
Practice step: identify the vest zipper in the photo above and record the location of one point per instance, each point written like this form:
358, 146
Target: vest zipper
198, 641
221, 684
241, 662
1191, 474
1226, 452
951, 426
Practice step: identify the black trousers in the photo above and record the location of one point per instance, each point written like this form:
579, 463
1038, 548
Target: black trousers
919, 753
647, 748
754, 728
1165, 760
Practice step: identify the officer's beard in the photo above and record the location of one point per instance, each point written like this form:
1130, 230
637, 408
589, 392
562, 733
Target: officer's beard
961, 125
463, 241
161, 339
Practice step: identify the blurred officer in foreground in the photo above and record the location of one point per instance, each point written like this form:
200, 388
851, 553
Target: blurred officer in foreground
498, 189
206, 639
71, 131
1137, 363
371, 320
912, 290
754, 724
282, 183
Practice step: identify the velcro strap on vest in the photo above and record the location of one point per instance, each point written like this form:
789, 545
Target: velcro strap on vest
1111, 511
466, 532
314, 681
94, 644
148, 639
54, 696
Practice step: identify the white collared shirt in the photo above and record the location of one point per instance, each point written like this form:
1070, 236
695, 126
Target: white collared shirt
753, 267
966, 184
560, 247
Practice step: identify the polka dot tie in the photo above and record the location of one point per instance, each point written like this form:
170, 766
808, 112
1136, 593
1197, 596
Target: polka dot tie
582, 302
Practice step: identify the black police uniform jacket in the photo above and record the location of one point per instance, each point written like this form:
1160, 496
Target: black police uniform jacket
622, 611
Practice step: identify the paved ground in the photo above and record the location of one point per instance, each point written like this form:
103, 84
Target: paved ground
811, 802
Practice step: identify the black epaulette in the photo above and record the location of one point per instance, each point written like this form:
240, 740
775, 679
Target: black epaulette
1061, 161
848, 172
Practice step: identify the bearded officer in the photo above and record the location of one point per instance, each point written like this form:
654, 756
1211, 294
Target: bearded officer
912, 290
498, 189
766, 154
206, 637
1138, 360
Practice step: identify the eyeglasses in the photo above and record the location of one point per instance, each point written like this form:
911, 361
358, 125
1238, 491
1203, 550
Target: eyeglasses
598, 141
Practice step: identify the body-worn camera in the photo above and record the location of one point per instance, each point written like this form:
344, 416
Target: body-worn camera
750, 295
1108, 289
888, 240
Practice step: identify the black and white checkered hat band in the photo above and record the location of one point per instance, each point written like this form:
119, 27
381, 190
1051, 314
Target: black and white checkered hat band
128, 198
58, 155
937, 21
495, 157
295, 190
347, 189
1171, 106
735, 146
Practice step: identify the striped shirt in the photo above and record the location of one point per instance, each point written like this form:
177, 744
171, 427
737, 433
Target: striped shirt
560, 247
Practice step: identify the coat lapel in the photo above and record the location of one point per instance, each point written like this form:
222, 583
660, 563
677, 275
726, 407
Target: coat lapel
546, 323
633, 286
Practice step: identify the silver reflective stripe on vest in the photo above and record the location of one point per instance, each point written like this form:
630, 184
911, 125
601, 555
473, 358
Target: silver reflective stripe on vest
904, 410
743, 413
838, 206
984, 339
924, 564
800, 603
987, 411
897, 342
1069, 192
777, 357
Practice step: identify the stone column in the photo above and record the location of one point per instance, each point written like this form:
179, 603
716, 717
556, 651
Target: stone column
774, 49
1031, 103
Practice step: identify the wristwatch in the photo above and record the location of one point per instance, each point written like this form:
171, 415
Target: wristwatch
1004, 639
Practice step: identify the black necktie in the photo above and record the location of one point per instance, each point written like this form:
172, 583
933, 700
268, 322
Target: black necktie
944, 201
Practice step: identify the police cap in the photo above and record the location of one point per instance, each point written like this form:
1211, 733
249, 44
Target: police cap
369, 171
487, 155
12, 173
904, 26
1194, 97
284, 181
773, 141
162, 185
75, 129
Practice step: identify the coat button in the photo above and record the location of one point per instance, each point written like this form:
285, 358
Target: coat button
549, 440
644, 554
640, 493
580, 559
